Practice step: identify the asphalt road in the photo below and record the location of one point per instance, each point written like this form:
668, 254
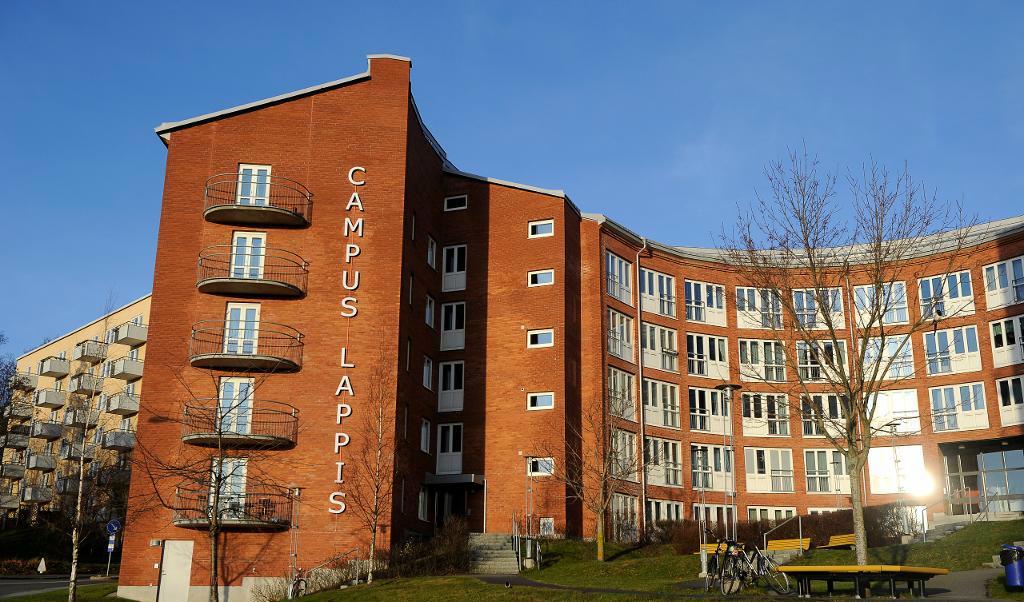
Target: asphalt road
17, 587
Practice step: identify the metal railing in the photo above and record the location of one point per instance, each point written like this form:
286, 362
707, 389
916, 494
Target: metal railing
259, 506
800, 532
257, 420
695, 311
619, 346
278, 193
696, 364
252, 263
781, 480
619, 290
239, 338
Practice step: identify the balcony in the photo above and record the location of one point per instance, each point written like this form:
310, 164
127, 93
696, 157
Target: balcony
251, 271
127, 369
264, 347
262, 508
42, 462
55, 367
51, 398
24, 381
86, 384
261, 200
91, 352
119, 440
261, 423
131, 334
34, 494
14, 441
81, 418
49, 431
77, 451
19, 411
665, 474
12, 471
9, 501
123, 404
67, 486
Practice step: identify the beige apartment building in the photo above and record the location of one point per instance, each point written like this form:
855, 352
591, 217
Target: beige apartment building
74, 397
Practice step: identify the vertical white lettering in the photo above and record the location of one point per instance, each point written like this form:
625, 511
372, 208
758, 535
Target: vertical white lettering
344, 411
345, 284
351, 250
353, 226
344, 359
352, 175
348, 307
338, 500
345, 386
341, 473
340, 440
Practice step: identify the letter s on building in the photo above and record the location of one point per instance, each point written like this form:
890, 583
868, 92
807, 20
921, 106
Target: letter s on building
337, 499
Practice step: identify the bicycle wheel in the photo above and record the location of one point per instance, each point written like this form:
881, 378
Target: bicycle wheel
711, 575
776, 579
732, 575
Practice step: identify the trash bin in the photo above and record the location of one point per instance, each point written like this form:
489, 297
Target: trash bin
1012, 559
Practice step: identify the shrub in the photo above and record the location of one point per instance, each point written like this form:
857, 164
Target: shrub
447, 553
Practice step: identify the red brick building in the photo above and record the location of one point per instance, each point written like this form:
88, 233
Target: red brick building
343, 261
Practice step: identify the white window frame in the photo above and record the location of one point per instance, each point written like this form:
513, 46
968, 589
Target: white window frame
894, 297
901, 368
958, 407
453, 337
663, 462
449, 440
758, 308
757, 368
766, 471
621, 385
531, 399
620, 335
254, 199
539, 331
425, 430
530, 275
832, 411
707, 355
763, 513
422, 505
950, 299
428, 373
717, 465
242, 343
618, 278
449, 206
624, 445
895, 411
1010, 393
1004, 282
453, 399
454, 280
948, 350
705, 302
763, 413
431, 252
658, 293
672, 510
536, 464
809, 312
661, 403
809, 355
1004, 351
659, 345
543, 222
429, 311
836, 473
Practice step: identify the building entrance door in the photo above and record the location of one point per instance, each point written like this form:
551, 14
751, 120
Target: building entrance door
175, 571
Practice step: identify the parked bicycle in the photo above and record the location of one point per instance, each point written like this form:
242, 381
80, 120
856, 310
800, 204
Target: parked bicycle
740, 568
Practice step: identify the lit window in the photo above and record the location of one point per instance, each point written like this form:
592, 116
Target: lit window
542, 229
540, 338
541, 278
540, 401
456, 203
540, 467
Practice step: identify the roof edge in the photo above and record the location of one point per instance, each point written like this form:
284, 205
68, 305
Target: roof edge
73, 331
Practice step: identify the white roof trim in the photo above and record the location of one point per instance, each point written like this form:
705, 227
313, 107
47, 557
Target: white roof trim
71, 332
558, 193
397, 57
430, 137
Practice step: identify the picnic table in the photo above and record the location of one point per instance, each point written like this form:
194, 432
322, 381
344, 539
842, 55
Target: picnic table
861, 577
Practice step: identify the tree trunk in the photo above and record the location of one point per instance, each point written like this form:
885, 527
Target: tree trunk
600, 536
214, 594
859, 533
76, 527
373, 554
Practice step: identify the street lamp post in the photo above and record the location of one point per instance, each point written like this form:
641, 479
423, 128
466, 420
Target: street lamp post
728, 439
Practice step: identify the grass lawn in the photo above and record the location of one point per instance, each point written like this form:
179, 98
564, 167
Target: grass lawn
450, 589
997, 589
655, 568
964, 550
86, 593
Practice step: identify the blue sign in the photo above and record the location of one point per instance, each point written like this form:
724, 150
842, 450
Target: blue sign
113, 526
110, 543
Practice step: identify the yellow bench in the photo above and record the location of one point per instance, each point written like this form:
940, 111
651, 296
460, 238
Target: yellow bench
777, 545
840, 541
861, 576
709, 548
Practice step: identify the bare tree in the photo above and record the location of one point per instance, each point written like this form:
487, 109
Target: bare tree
373, 464
600, 457
798, 249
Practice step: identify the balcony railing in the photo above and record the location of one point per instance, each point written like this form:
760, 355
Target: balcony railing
42, 462
91, 352
76, 451
258, 508
265, 346
34, 494
55, 367
619, 346
272, 200
24, 381
127, 368
696, 364
19, 411
47, 430
940, 362
119, 440
86, 384
123, 404
695, 311
9, 501
12, 471
51, 398
621, 404
131, 334
14, 441
782, 481
260, 423
67, 485
619, 290
81, 418
231, 270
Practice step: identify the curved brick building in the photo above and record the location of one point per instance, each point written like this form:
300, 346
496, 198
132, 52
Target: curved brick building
343, 261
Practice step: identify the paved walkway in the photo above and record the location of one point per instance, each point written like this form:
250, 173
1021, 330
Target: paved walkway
962, 585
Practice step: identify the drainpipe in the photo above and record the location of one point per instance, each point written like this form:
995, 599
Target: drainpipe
642, 514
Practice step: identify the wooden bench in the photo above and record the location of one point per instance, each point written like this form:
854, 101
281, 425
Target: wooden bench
840, 541
709, 548
778, 545
862, 576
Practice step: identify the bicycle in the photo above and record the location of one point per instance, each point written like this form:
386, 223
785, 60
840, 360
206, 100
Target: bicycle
741, 568
713, 570
297, 589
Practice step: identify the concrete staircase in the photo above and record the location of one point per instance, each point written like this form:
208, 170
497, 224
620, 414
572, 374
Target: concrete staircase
942, 525
492, 554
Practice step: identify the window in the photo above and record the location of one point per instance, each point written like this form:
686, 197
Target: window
425, 436
620, 394
661, 461
893, 358
881, 305
811, 357
811, 305
421, 505
409, 296
619, 271
248, 250
456, 203
234, 405
540, 401
1004, 283
758, 308
453, 326
1007, 341
705, 302
762, 360
241, 327
540, 338
895, 412
228, 475
624, 518
706, 355
711, 466
661, 403
541, 278
620, 335
943, 296
898, 469
822, 412
452, 392
708, 411
826, 472
428, 311
952, 350
412, 226
540, 467
408, 353
958, 407
428, 373
624, 455
449, 448
768, 470
659, 511
769, 513
765, 414
253, 185
659, 347
453, 277
657, 293
547, 526
431, 252
541, 229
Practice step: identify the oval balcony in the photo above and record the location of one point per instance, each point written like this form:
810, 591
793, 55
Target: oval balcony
251, 270
240, 424
258, 508
257, 199
263, 347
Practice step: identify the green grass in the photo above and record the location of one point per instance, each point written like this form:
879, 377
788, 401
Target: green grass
450, 589
651, 568
966, 549
86, 593
997, 589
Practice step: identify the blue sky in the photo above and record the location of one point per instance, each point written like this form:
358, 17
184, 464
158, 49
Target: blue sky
661, 115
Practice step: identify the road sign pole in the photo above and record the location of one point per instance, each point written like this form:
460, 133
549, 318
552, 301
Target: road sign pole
109, 554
